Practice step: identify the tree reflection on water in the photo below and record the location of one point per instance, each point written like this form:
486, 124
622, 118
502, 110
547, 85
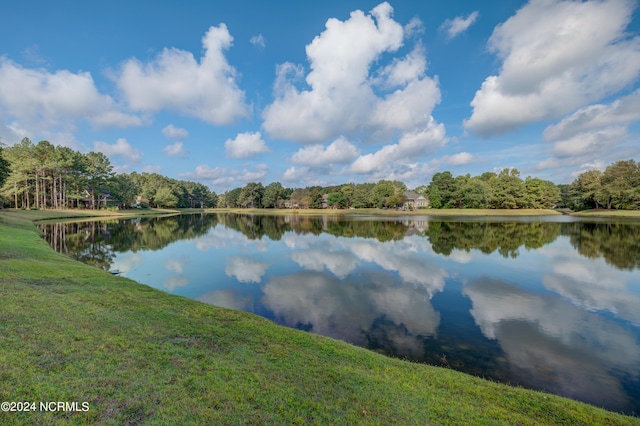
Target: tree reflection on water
93, 241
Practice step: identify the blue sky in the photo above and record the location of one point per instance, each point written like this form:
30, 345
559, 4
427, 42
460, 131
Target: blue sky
321, 93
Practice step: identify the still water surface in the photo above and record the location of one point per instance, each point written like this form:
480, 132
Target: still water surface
551, 305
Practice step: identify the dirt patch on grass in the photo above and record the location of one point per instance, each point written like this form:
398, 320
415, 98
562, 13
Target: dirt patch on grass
4, 255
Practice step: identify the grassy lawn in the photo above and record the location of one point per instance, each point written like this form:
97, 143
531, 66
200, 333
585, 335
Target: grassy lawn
36, 215
608, 213
393, 212
70, 332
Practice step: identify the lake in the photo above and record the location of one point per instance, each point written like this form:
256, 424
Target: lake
546, 303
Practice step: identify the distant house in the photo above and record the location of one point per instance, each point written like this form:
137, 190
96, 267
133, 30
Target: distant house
102, 199
415, 226
414, 201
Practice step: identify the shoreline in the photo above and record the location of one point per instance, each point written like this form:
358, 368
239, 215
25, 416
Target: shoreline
64, 215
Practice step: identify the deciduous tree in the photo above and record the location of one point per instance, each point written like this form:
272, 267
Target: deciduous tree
336, 200
620, 185
164, 197
273, 195
251, 195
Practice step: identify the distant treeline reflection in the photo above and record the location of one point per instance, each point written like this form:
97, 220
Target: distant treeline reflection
96, 242
618, 244
504, 237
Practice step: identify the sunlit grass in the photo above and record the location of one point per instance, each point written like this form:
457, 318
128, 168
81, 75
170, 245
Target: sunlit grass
37, 215
394, 212
609, 213
70, 332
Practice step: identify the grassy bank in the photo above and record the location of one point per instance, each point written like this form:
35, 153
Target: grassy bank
608, 213
70, 332
19, 216
393, 212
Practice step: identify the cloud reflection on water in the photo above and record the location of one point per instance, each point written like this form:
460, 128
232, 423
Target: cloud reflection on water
389, 308
397, 256
591, 284
554, 345
127, 263
339, 263
245, 269
176, 265
175, 282
348, 310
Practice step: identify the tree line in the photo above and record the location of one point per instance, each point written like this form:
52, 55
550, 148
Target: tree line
42, 176
385, 193
618, 187
46, 176
504, 190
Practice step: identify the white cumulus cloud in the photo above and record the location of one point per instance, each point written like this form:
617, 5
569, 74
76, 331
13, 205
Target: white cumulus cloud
223, 178
348, 94
458, 25
176, 81
258, 40
339, 151
52, 103
556, 56
594, 135
411, 145
173, 132
592, 142
175, 150
460, 159
404, 70
295, 174
620, 112
204, 172
245, 145
246, 176
121, 148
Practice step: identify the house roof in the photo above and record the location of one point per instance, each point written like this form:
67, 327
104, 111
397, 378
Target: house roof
412, 195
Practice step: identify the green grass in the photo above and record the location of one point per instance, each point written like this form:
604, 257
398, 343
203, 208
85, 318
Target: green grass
393, 212
608, 213
70, 332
